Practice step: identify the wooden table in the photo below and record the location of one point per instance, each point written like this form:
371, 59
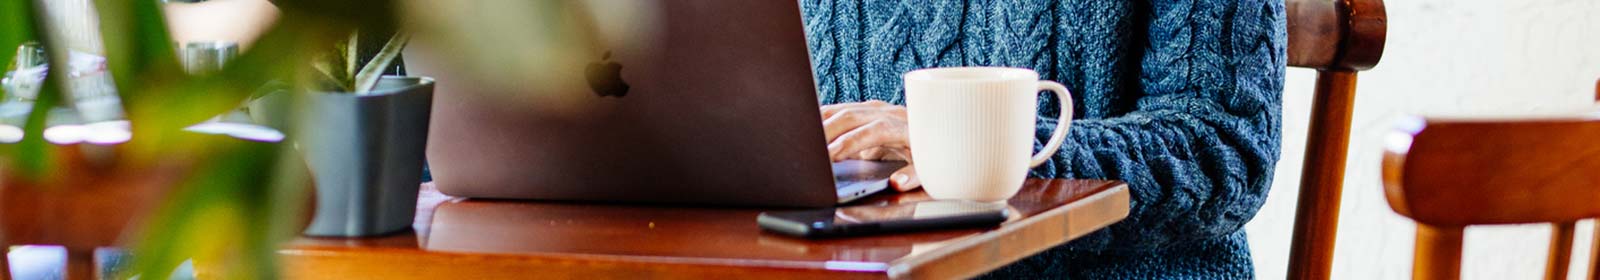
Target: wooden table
471, 239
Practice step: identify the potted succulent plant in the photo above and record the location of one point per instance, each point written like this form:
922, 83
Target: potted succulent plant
363, 135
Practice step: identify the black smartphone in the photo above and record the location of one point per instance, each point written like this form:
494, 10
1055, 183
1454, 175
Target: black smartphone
875, 219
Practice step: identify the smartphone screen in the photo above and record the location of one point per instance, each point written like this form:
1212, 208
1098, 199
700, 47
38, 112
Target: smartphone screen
858, 220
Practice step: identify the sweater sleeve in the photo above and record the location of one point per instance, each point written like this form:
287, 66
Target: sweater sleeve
1199, 148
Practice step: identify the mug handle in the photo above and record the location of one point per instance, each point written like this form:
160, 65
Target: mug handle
1062, 123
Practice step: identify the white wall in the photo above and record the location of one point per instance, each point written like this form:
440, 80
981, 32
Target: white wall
1444, 57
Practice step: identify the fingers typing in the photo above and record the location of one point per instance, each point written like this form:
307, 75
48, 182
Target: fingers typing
905, 179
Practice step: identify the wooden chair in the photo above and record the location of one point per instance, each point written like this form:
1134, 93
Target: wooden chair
1337, 38
1449, 174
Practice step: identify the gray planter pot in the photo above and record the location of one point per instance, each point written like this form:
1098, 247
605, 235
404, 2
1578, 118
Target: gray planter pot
365, 152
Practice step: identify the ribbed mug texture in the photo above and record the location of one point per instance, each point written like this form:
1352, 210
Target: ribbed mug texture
972, 130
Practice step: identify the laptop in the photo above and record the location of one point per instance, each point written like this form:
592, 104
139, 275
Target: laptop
706, 102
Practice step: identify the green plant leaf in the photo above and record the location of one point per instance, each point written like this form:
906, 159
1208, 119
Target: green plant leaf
138, 49
33, 158
230, 213
140, 57
338, 66
334, 77
16, 26
238, 193
352, 59
237, 201
370, 73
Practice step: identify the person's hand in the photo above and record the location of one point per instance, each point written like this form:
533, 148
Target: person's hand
872, 130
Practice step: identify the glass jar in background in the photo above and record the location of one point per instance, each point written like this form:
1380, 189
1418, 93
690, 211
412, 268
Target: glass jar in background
91, 88
91, 111
23, 78
95, 114
22, 81
206, 56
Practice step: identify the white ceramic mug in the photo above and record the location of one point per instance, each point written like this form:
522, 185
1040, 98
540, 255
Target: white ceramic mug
972, 129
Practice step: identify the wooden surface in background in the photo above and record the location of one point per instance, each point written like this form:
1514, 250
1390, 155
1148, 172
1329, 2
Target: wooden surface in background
92, 196
82, 203
471, 239
1337, 38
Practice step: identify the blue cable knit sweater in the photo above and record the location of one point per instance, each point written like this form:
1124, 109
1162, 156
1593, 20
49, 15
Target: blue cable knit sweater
1180, 99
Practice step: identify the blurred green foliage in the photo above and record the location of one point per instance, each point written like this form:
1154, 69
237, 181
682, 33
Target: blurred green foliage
243, 199
15, 24
23, 22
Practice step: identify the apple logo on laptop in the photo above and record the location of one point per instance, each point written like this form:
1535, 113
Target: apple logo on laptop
605, 77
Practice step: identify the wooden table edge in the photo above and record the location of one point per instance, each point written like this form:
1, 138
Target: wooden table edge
406, 264
965, 258
938, 263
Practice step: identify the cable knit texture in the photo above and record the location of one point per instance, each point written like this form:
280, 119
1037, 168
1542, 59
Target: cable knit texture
1181, 99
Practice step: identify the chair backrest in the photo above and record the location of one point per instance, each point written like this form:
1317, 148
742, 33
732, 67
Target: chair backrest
1337, 38
1456, 173
1336, 34
1449, 174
